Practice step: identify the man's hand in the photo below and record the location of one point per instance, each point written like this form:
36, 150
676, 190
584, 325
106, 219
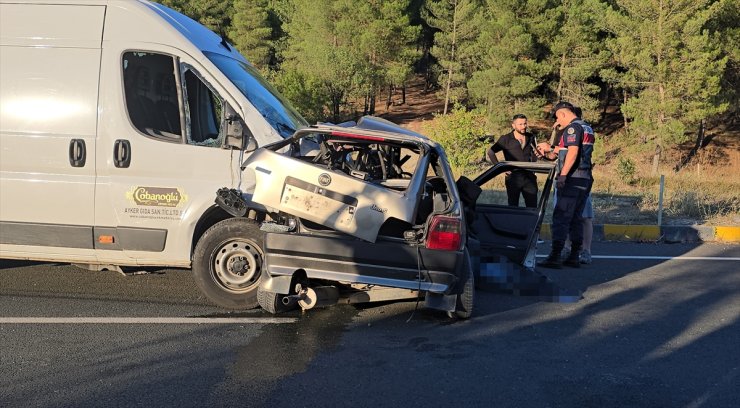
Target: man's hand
560, 182
543, 147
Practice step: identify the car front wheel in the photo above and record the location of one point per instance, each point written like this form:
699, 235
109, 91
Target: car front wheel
228, 262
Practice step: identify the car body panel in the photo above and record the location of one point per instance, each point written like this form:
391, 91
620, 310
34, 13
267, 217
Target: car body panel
329, 198
346, 259
332, 197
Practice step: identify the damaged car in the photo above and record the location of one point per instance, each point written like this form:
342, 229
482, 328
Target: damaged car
361, 212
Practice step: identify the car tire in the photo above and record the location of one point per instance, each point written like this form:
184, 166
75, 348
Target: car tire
228, 263
465, 300
272, 302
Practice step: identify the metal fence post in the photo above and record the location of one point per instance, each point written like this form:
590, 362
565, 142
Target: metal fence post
660, 200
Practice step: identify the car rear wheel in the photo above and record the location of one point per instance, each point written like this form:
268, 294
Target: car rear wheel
228, 262
464, 303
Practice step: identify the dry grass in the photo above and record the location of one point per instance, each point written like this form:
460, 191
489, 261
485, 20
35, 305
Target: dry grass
706, 191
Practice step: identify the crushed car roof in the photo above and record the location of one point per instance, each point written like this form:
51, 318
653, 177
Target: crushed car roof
368, 126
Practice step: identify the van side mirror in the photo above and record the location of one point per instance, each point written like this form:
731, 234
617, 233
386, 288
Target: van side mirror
237, 133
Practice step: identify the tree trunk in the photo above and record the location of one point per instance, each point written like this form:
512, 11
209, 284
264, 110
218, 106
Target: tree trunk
560, 77
389, 100
656, 158
447, 90
624, 102
403, 94
607, 89
452, 58
372, 103
336, 101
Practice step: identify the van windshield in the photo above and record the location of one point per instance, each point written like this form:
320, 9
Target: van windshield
274, 108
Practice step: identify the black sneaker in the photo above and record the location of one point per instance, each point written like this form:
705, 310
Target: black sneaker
551, 262
572, 262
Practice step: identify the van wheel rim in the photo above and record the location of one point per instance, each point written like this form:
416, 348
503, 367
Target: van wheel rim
236, 265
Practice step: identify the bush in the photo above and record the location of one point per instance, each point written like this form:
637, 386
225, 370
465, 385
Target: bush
626, 170
458, 132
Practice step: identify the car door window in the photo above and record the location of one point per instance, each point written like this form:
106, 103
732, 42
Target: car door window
150, 90
495, 191
205, 111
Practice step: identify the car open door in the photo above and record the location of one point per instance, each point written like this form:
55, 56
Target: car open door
504, 236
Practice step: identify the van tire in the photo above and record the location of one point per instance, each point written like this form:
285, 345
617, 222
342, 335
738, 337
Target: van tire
228, 262
465, 300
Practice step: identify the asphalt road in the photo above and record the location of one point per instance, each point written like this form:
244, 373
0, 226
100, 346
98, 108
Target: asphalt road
649, 331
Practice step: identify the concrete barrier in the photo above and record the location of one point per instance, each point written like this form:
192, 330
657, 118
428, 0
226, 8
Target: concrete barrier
653, 233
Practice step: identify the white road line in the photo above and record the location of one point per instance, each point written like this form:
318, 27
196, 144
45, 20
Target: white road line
145, 320
683, 258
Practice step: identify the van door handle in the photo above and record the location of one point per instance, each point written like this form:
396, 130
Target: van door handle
77, 153
122, 153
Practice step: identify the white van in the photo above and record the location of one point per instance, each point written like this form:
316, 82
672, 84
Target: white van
119, 120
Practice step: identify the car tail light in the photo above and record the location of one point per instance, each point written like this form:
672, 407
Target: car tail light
445, 233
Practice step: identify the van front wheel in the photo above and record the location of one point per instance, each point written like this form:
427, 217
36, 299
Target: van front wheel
228, 262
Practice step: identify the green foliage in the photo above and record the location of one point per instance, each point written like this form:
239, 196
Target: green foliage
454, 43
306, 96
676, 61
626, 170
458, 133
251, 32
577, 56
511, 72
214, 14
725, 30
350, 49
669, 63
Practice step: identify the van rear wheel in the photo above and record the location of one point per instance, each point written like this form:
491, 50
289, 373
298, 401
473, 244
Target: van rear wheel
228, 262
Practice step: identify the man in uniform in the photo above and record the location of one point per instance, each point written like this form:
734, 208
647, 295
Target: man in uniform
574, 183
518, 145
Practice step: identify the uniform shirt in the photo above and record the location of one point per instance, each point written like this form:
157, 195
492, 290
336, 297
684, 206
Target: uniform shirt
513, 150
579, 133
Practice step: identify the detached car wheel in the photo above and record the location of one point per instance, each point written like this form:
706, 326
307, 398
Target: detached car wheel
228, 263
464, 304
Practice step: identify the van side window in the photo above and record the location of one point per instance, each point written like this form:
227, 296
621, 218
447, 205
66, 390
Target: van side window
204, 109
150, 88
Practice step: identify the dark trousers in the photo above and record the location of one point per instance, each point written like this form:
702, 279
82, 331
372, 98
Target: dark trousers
567, 218
521, 182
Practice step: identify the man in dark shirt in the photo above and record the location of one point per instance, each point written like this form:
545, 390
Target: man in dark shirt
518, 145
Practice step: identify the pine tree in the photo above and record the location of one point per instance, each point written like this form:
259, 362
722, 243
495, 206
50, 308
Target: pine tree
386, 45
351, 49
577, 54
672, 64
214, 14
726, 31
511, 74
453, 43
251, 32
319, 52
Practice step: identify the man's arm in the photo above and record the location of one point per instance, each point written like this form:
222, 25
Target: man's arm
491, 155
492, 150
570, 160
